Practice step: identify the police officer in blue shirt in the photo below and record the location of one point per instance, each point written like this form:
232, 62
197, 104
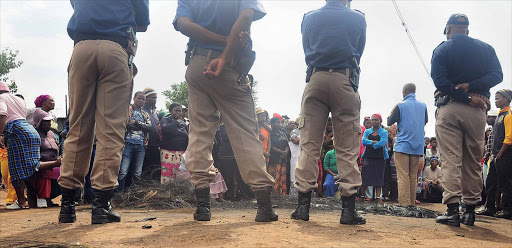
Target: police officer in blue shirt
100, 82
214, 28
464, 70
333, 38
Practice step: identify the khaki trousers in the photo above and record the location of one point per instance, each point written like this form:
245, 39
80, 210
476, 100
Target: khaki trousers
100, 87
460, 135
236, 106
329, 92
407, 170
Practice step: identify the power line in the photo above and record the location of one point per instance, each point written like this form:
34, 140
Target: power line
410, 38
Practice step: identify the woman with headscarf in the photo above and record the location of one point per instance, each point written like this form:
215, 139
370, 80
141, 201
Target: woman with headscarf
174, 142
43, 102
278, 156
22, 142
41, 182
374, 157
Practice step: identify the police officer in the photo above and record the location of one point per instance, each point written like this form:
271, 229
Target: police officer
463, 70
333, 37
214, 29
100, 87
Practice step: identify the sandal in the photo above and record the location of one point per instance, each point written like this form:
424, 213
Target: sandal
15, 206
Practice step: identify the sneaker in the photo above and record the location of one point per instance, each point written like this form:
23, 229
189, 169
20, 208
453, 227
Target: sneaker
14, 206
41, 203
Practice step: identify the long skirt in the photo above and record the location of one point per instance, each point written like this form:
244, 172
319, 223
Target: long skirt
23, 149
170, 161
373, 172
278, 172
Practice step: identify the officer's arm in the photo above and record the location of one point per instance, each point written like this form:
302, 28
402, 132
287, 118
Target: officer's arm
492, 77
394, 116
362, 41
197, 32
243, 24
439, 73
141, 13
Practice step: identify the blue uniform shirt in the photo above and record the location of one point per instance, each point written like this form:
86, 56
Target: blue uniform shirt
215, 15
463, 59
107, 17
333, 35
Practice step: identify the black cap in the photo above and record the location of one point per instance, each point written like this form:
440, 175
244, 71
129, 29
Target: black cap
457, 19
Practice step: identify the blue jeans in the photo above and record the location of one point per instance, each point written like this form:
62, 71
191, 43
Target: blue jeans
329, 186
135, 153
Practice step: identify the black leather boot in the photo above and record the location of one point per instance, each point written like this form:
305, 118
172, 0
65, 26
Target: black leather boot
67, 207
451, 217
203, 204
101, 209
302, 210
468, 217
349, 216
265, 212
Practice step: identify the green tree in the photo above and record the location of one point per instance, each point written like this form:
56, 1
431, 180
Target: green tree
177, 93
7, 63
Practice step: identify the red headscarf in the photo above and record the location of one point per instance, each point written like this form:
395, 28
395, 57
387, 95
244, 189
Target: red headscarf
378, 116
278, 116
40, 100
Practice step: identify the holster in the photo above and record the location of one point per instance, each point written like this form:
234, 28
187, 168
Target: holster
309, 73
244, 60
440, 99
354, 78
133, 43
188, 54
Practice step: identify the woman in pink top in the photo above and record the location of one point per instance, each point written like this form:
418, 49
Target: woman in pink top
22, 141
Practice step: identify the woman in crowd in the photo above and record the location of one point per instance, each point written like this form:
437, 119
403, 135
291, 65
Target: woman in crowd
136, 138
295, 152
375, 155
332, 174
278, 154
432, 189
390, 189
174, 142
41, 182
45, 103
264, 132
22, 142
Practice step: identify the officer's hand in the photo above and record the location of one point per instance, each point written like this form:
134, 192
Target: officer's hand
464, 87
244, 38
478, 102
214, 68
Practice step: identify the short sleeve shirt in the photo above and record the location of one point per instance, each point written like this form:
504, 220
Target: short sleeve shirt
216, 16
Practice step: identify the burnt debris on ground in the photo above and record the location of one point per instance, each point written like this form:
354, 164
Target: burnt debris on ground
178, 194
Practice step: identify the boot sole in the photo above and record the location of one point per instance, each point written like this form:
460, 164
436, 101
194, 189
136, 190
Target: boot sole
353, 223
103, 219
266, 219
202, 217
299, 218
67, 218
450, 223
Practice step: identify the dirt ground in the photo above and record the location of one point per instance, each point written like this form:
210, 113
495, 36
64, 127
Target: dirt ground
236, 228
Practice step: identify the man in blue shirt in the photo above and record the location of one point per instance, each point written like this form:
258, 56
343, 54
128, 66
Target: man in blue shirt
411, 116
333, 38
463, 70
214, 28
100, 84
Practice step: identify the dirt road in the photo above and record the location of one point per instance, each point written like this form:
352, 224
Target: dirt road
236, 228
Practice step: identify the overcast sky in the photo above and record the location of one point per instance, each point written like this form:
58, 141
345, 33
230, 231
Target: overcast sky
38, 30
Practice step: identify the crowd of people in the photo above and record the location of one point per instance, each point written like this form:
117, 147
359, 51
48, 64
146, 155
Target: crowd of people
280, 138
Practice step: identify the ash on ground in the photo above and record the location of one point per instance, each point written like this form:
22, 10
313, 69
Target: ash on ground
178, 194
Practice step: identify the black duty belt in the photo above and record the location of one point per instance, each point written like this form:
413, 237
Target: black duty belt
344, 71
121, 40
206, 52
